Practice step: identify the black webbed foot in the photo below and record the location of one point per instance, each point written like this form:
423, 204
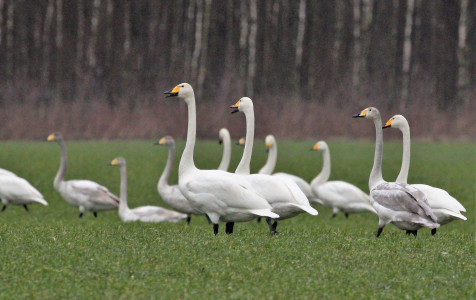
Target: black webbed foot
215, 229
229, 227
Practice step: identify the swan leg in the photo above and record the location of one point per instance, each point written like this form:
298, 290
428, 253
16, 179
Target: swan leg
270, 225
408, 232
26, 207
215, 228
333, 215
414, 232
80, 215
346, 215
4, 207
275, 224
229, 227
379, 231
95, 214
433, 231
208, 218
258, 220
188, 219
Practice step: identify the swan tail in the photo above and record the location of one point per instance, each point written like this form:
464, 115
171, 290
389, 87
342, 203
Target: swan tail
307, 208
41, 201
264, 213
452, 213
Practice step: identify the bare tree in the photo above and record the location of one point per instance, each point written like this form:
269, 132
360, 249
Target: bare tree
338, 34
357, 50
80, 39
462, 84
91, 54
126, 45
252, 48
407, 54
10, 51
198, 40
203, 58
300, 40
367, 16
188, 38
2, 4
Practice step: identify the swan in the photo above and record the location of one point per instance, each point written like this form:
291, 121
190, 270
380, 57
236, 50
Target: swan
17, 191
398, 203
224, 138
268, 168
171, 193
6, 172
444, 206
221, 195
338, 195
153, 214
87, 195
285, 197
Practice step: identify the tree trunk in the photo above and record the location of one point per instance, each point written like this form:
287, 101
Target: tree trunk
126, 45
338, 34
252, 48
357, 51
299, 42
243, 40
367, 16
80, 40
198, 41
10, 23
203, 58
2, 4
188, 38
462, 84
407, 55
91, 54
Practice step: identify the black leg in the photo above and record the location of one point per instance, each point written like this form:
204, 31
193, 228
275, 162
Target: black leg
433, 231
229, 227
379, 231
275, 224
215, 229
26, 207
208, 218
4, 207
188, 219
258, 220
346, 215
95, 214
80, 215
414, 232
333, 215
408, 232
270, 225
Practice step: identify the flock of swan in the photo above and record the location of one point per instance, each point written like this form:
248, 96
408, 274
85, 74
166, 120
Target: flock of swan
227, 197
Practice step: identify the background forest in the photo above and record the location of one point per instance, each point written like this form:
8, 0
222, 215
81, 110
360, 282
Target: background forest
98, 68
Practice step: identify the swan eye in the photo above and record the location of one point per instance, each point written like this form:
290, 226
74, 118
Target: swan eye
182, 86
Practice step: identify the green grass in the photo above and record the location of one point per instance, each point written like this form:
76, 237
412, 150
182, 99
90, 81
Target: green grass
50, 253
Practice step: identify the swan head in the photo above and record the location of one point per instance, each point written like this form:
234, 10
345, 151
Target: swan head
244, 104
270, 142
397, 121
119, 161
166, 140
241, 142
183, 90
222, 135
369, 113
319, 146
54, 137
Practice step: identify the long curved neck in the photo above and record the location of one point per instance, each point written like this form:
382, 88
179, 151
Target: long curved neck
59, 178
244, 165
164, 178
186, 162
123, 197
325, 173
376, 174
403, 175
225, 159
270, 164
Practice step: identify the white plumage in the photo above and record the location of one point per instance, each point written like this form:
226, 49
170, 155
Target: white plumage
445, 207
221, 195
144, 213
16, 190
338, 195
87, 195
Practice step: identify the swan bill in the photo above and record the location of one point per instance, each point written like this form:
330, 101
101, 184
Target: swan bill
173, 92
362, 114
388, 124
235, 106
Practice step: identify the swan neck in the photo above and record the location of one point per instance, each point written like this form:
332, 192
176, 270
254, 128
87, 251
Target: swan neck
403, 175
325, 173
164, 178
244, 165
225, 159
186, 162
270, 164
59, 178
376, 174
123, 197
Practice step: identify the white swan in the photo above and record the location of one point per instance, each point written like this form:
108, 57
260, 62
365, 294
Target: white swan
171, 193
17, 191
281, 193
221, 195
338, 195
268, 169
87, 195
398, 203
152, 214
224, 138
444, 206
6, 172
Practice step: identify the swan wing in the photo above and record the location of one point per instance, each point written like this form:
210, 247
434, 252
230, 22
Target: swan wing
14, 188
301, 183
157, 214
401, 197
439, 198
93, 192
6, 172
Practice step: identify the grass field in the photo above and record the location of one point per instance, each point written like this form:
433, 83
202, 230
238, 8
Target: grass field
51, 253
